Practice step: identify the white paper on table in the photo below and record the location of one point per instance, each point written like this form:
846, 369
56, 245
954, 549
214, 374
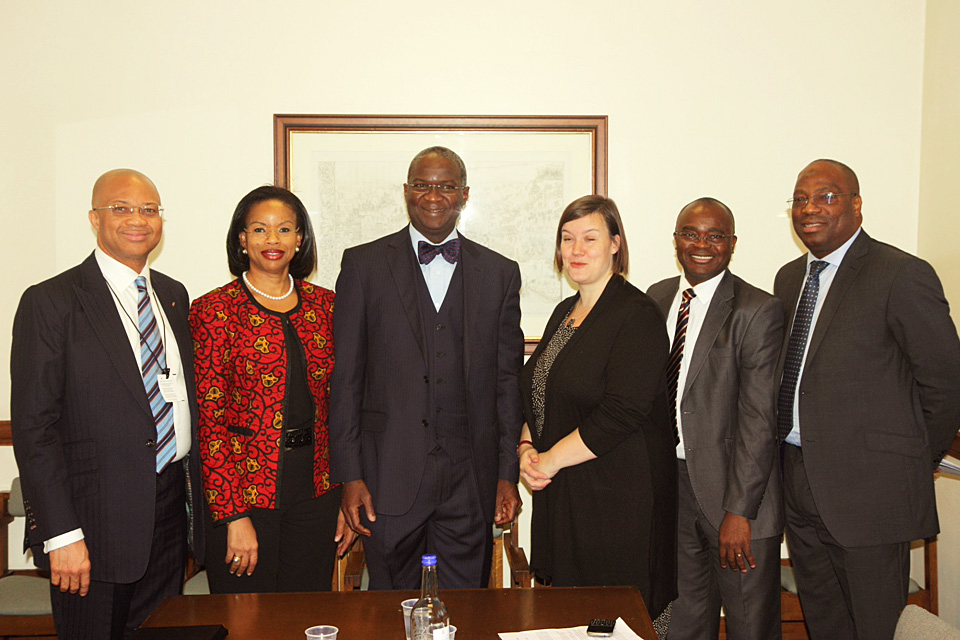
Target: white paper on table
949, 467
620, 632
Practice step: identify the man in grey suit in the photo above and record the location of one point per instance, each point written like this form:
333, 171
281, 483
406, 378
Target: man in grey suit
869, 401
727, 335
425, 405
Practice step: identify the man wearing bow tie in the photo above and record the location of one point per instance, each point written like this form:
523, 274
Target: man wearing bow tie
425, 408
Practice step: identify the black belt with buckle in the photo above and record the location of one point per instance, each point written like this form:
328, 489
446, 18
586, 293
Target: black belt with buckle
295, 438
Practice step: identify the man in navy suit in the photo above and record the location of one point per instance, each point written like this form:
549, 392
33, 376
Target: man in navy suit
103, 418
425, 408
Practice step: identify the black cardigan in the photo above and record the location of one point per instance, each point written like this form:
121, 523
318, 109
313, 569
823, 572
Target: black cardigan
611, 520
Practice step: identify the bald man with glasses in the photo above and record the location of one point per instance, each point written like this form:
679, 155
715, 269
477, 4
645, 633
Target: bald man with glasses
103, 416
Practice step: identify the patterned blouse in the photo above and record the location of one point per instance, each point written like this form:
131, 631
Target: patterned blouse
240, 360
542, 369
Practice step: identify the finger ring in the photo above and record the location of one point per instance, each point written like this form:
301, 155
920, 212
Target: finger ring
237, 558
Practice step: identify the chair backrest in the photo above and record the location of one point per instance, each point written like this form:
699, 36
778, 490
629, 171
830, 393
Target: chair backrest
15, 503
916, 623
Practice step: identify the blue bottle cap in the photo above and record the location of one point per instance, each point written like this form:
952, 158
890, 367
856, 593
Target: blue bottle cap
428, 559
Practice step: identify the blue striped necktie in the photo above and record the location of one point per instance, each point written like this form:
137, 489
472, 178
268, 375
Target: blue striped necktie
153, 361
795, 348
676, 357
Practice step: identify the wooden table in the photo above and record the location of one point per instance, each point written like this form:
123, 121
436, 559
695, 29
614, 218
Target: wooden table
479, 614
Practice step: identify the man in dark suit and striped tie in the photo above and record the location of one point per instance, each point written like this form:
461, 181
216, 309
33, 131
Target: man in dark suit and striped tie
869, 401
103, 419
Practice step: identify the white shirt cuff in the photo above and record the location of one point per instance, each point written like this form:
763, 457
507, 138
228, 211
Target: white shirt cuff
62, 540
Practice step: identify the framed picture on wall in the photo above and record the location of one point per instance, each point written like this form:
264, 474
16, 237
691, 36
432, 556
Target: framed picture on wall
522, 171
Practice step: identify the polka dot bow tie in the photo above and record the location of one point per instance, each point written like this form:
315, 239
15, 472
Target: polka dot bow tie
450, 251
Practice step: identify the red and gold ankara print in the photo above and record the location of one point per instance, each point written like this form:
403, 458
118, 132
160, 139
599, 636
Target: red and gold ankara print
240, 362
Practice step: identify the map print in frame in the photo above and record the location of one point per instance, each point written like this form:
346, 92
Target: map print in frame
522, 171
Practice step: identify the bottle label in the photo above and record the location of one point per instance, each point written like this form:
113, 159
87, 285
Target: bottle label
443, 633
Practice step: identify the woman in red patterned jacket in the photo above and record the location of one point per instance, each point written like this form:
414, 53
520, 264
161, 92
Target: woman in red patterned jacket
264, 353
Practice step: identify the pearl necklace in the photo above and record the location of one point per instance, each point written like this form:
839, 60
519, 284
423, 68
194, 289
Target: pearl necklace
268, 297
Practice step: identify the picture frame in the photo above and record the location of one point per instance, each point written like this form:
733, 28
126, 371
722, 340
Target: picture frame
522, 172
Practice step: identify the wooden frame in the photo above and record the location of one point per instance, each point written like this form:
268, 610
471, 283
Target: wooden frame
523, 170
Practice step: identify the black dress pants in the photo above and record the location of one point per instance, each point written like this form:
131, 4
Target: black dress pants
112, 611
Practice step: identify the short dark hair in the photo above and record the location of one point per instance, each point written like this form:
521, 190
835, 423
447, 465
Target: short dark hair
708, 200
607, 208
849, 174
443, 152
304, 261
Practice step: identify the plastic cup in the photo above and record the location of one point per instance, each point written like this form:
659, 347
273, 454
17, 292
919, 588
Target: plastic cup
407, 606
322, 632
453, 632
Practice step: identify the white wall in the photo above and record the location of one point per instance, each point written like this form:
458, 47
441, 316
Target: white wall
724, 99
939, 227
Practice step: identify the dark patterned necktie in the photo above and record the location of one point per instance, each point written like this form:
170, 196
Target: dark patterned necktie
676, 357
796, 347
450, 251
152, 362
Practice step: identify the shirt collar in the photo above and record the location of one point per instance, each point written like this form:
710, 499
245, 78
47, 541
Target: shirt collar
705, 289
416, 236
118, 275
836, 257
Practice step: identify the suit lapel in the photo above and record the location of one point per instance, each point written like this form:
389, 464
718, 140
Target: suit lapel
98, 305
846, 274
473, 288
404, 273
717, 313
793, 277
665, 299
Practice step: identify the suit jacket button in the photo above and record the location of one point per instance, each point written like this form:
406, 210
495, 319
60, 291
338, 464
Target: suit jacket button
151, 443
425, 423
426, 379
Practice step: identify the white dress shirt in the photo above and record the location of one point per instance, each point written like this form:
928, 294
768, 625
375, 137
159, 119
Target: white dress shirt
698, 311
121, 280
833, 261
439, 272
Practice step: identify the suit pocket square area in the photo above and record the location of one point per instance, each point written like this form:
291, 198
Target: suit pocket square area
373, 420
81, 455
882, 442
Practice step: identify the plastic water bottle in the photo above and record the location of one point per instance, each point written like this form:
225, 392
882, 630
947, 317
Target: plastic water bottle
429, 619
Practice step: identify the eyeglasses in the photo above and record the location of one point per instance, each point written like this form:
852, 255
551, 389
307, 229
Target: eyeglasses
819, 199
424, 187
124, 211
712, 238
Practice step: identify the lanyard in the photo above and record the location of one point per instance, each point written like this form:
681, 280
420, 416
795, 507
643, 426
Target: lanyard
136, 325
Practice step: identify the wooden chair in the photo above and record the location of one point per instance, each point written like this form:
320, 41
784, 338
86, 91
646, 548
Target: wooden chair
24, 594
349, 574
925, 596
520, 576
791, 615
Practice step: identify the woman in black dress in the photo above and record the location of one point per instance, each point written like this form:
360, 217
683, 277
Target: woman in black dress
598, 447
